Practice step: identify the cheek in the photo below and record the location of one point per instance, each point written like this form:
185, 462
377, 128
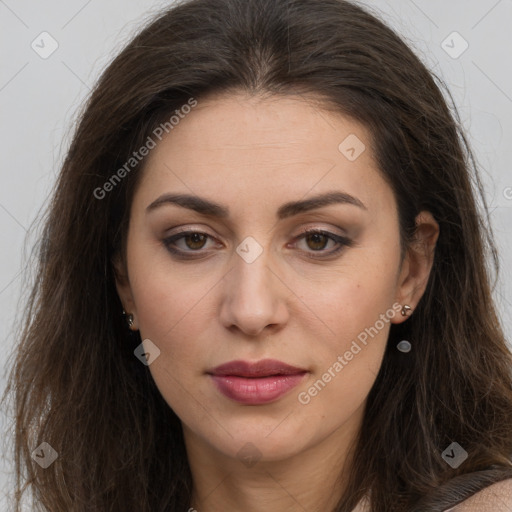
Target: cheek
348, 359
163, 306
350, 300
171, 311
171, 314
355, 310
166, 295
174, 319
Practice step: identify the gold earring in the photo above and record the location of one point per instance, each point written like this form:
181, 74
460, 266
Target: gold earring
406, 310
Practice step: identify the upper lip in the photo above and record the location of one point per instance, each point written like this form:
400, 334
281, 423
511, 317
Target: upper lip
263, 368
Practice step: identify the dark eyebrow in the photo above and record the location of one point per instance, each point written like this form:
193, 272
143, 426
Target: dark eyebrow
296, 207
212, 209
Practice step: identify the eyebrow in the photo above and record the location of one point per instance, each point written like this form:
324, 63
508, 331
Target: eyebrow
211, 209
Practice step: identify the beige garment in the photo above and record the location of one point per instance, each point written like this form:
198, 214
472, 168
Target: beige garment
495, 498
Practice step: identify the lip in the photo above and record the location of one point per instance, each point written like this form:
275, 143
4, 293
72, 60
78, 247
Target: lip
263, 368
256, 383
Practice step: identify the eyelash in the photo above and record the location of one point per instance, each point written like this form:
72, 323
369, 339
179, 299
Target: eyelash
342, 242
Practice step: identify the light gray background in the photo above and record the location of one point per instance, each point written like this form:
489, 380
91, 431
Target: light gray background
39, 99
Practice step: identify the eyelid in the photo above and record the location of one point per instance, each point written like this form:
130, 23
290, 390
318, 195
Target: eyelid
181, 233
342, 242
318, 229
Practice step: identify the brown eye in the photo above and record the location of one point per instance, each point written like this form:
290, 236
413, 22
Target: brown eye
317, 241
195, 240
187, 243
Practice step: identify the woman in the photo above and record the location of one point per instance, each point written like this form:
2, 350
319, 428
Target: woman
262, 282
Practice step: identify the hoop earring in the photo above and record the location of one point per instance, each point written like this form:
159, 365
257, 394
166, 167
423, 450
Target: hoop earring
406, 310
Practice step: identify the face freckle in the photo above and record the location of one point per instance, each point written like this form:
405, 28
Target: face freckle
250, 284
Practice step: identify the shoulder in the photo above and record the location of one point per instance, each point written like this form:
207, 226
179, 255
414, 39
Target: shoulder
495, 498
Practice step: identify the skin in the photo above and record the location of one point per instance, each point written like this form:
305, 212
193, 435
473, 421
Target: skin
252, 155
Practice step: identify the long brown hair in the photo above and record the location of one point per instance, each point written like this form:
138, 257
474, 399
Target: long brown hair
76, 383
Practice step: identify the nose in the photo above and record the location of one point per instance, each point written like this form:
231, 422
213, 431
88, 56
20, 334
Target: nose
254, 298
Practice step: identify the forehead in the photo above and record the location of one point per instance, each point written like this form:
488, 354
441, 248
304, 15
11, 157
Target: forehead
240, 147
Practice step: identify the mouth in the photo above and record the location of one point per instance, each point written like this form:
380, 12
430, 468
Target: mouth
256, 383
263, 368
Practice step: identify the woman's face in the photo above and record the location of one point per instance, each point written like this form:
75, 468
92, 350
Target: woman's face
250, 285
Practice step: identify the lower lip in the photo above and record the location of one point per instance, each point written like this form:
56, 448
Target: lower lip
256, 391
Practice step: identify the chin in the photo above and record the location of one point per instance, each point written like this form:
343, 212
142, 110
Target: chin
267, 443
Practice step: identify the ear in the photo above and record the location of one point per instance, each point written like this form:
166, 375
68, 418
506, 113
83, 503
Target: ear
124, 289
417, 264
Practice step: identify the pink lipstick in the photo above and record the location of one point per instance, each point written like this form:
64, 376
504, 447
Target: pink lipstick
256, 383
